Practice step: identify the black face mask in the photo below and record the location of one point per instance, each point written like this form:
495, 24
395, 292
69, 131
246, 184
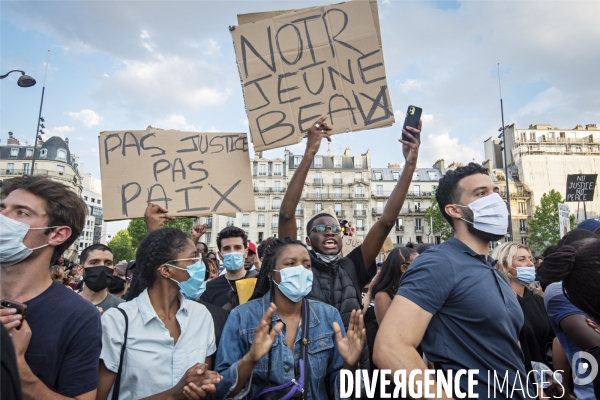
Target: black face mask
97, 278
117, 285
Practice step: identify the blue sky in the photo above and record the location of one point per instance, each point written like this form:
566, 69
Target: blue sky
127, 65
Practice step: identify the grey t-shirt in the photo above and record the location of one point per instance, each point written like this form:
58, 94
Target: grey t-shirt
109, 302
476, 317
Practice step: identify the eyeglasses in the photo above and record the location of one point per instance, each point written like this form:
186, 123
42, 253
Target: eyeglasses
323, 229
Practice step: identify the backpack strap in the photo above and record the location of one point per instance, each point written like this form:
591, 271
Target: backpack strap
347, 265
117, 383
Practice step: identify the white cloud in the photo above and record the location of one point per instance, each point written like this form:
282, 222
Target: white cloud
543, 102
88, 117
59, 131
410, 84
441, 145
176, 122
245, 122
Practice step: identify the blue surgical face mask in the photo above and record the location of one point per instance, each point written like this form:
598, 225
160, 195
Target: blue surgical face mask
525, 275
296, 282
195, 286
233, 261
12, 248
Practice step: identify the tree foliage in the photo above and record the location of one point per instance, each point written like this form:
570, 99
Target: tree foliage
441, 227
137, 228
543, 226
121, 246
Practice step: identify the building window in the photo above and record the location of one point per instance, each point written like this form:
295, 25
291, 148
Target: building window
99, 201
43, 153
262, 170
277, 169
395, 175
208, 237
298, 209
523, 240
261, 220
277, 186
378, 176
337, 162
60, 169
415, 176
261, 203
318, 207
399, 239
275, 222
432, 175
337, 180
416, 190
276, 203
357, 176
85, 198
338, 210
61, 155
379, 207
358, 191
358, 162
318, 193
298, 224
93, 200
360, 225
379, 191
338, 192
246, 220
297, 160
417, 206
522, 208
14, 152
318, 178
10, 168
28, 153
418, 224
319, 162
260, 236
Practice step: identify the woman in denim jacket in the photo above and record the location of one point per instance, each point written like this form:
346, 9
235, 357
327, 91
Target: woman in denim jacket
262, 340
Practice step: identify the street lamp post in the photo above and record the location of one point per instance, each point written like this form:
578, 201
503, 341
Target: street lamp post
23, 81
40, 119
503, 148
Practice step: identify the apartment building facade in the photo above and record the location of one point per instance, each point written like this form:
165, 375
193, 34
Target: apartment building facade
94, 230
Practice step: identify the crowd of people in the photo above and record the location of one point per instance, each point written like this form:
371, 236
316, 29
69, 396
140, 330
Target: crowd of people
283, 319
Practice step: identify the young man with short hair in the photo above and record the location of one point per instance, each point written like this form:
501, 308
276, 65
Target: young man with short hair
339, 281
251, 261
58, 343
454, 303
98, 271
232, 243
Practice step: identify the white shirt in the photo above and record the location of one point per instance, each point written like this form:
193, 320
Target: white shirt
153, 363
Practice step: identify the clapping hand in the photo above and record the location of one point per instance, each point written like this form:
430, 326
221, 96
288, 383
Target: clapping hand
263, 340
351, 346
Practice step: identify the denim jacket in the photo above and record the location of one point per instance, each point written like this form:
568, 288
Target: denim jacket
323, 356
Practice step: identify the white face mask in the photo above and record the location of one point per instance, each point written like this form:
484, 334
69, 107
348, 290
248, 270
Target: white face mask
12, 249
489, 214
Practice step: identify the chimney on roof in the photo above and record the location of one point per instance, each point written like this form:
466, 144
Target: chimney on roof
12, 140
347, 152
578, 127
328, 149
591, 127
67, 141
439, 165
393, 165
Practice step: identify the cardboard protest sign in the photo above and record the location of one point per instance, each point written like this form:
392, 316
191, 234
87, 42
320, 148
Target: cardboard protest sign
564, 221
387, 245
296, 66
189, 173
581, 187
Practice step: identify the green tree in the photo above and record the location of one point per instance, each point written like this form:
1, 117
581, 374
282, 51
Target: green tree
137, 228
543, 226
441, 227
121, 246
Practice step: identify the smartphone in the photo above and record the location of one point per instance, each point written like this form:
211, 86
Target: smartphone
20, 307
413, 116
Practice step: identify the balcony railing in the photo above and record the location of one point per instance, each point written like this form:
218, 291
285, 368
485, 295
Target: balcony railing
387, 193
399, 228
523, 229
208, 225
274, 225
328, 196
277, 173
340, 213
262, 173
269, 190
360, 229
360, 213
230, 223
299, 212
276, 207
338, 181
245, 224
361, 195
261, 208
261, 224
318, 181
378, 211
418, 229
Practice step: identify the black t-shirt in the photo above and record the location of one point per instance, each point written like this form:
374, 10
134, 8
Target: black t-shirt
217, 290
66, 339
9, 372
219, 317
537, 330
364, 275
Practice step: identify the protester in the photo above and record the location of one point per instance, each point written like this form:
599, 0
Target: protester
211, 267
72, 279
169, 339
592, 225
338, 281
232, 243
197, 232
211, 255
251, 261
408, 253
263, 246
515, 261
97, 262
568, 320
388, 281
57, 273
119, 281
59, 341
271, 355
453, 302
423, 246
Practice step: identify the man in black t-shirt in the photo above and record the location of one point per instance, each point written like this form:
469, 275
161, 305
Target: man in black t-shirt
58, 344
99, 271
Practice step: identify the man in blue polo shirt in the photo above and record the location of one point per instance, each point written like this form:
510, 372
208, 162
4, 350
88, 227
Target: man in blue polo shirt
453, 302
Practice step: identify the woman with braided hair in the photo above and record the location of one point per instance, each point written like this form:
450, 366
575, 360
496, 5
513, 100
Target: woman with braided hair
574, 269
281, 343
158, 345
